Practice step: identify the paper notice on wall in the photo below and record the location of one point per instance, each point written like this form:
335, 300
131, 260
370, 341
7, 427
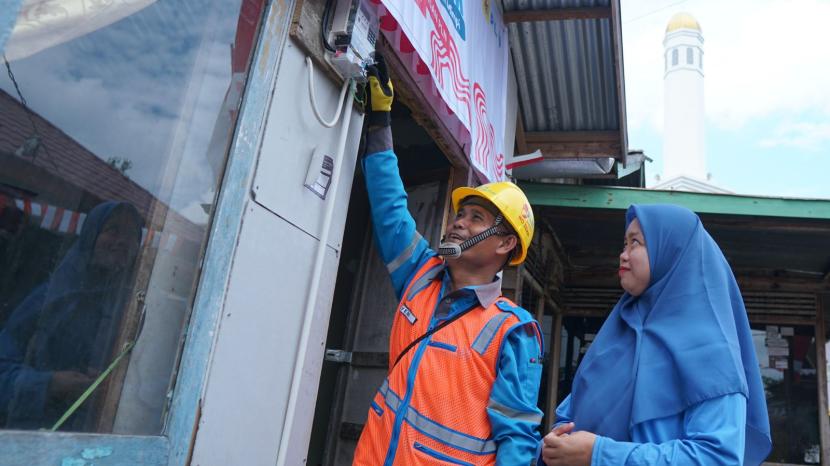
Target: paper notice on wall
778, 351
777, 342
772, 331
781, 364
590, 336
787, 331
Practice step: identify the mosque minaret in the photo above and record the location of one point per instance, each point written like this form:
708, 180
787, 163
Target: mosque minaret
684, 152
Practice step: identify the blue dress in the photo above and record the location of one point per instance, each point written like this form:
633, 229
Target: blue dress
710, 433
672, 376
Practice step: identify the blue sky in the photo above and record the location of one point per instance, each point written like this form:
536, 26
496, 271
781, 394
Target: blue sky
767, 89
147, 88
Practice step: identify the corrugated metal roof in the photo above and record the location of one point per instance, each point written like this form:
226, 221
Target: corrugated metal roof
565, 69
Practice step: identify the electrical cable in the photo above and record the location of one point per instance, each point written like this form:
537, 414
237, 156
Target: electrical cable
346, 83
324, 24
29, 112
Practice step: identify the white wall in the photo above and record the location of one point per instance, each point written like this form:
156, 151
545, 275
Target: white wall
249, 379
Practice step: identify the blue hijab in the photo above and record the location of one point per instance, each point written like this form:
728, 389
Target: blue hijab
685, 340
74, 285
67, 323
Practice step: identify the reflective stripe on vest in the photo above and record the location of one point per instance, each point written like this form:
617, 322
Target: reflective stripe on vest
435, 397
486, 335
435, 430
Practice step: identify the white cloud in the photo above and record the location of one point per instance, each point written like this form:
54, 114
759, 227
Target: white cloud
801, 135
148, 89
763, 58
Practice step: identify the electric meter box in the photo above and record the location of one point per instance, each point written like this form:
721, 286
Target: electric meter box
354, 31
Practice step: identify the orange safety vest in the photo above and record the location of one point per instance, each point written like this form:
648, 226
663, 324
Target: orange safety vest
444, 414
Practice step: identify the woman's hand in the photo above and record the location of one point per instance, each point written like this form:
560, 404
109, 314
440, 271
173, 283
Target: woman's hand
562, 448
69, 385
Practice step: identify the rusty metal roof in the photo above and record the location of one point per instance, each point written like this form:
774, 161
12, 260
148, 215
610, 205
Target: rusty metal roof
569, 71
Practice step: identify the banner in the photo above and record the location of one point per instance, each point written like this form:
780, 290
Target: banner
462, 47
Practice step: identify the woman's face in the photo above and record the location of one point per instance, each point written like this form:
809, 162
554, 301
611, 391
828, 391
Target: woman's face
635, 272
117, 242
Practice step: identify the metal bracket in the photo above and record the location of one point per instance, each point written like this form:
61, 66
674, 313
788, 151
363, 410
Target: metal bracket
358, 358
340, 356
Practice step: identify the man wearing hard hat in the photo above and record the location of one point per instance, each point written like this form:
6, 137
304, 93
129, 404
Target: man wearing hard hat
464, 361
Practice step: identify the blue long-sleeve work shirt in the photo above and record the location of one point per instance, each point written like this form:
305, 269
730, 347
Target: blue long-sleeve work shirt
513, 413
711, 432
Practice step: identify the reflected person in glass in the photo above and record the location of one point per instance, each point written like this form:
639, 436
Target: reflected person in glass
672, 377
60, 337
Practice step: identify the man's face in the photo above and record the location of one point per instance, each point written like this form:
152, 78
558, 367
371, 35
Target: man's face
470, 220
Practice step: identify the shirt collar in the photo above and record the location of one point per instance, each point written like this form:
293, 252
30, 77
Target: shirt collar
486, 294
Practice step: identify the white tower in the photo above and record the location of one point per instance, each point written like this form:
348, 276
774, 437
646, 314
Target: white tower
683, 150
684, 153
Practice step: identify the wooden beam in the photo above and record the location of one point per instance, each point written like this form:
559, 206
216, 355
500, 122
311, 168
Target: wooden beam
558, 14
305, 32
574, 144
564, 137
590, 150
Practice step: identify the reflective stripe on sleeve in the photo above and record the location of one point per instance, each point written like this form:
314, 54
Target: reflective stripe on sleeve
514, 414
405, 255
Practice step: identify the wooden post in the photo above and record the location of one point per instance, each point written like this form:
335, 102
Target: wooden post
553, 371
823, 412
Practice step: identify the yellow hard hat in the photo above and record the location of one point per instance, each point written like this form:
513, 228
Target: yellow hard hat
513, 205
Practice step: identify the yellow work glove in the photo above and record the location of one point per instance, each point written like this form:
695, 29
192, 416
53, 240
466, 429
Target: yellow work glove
380, 93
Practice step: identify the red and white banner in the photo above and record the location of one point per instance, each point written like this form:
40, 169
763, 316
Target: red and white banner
461, 49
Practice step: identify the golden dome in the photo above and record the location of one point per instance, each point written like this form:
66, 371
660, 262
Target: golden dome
682, 21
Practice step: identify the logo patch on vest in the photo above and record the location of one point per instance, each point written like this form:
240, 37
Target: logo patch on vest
408, 314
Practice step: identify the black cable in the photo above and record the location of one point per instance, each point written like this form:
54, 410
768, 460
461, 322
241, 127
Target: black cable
324, 24
28, 111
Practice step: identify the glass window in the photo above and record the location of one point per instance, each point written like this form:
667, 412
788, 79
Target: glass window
690, 59
674, 57
787, 356
701, 60
115, 122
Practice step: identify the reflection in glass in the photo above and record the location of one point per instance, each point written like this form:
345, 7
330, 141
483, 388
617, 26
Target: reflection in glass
57, 341
115, 121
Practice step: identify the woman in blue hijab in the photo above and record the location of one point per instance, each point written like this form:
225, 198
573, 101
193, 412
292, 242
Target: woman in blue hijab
672, 377
60, 337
